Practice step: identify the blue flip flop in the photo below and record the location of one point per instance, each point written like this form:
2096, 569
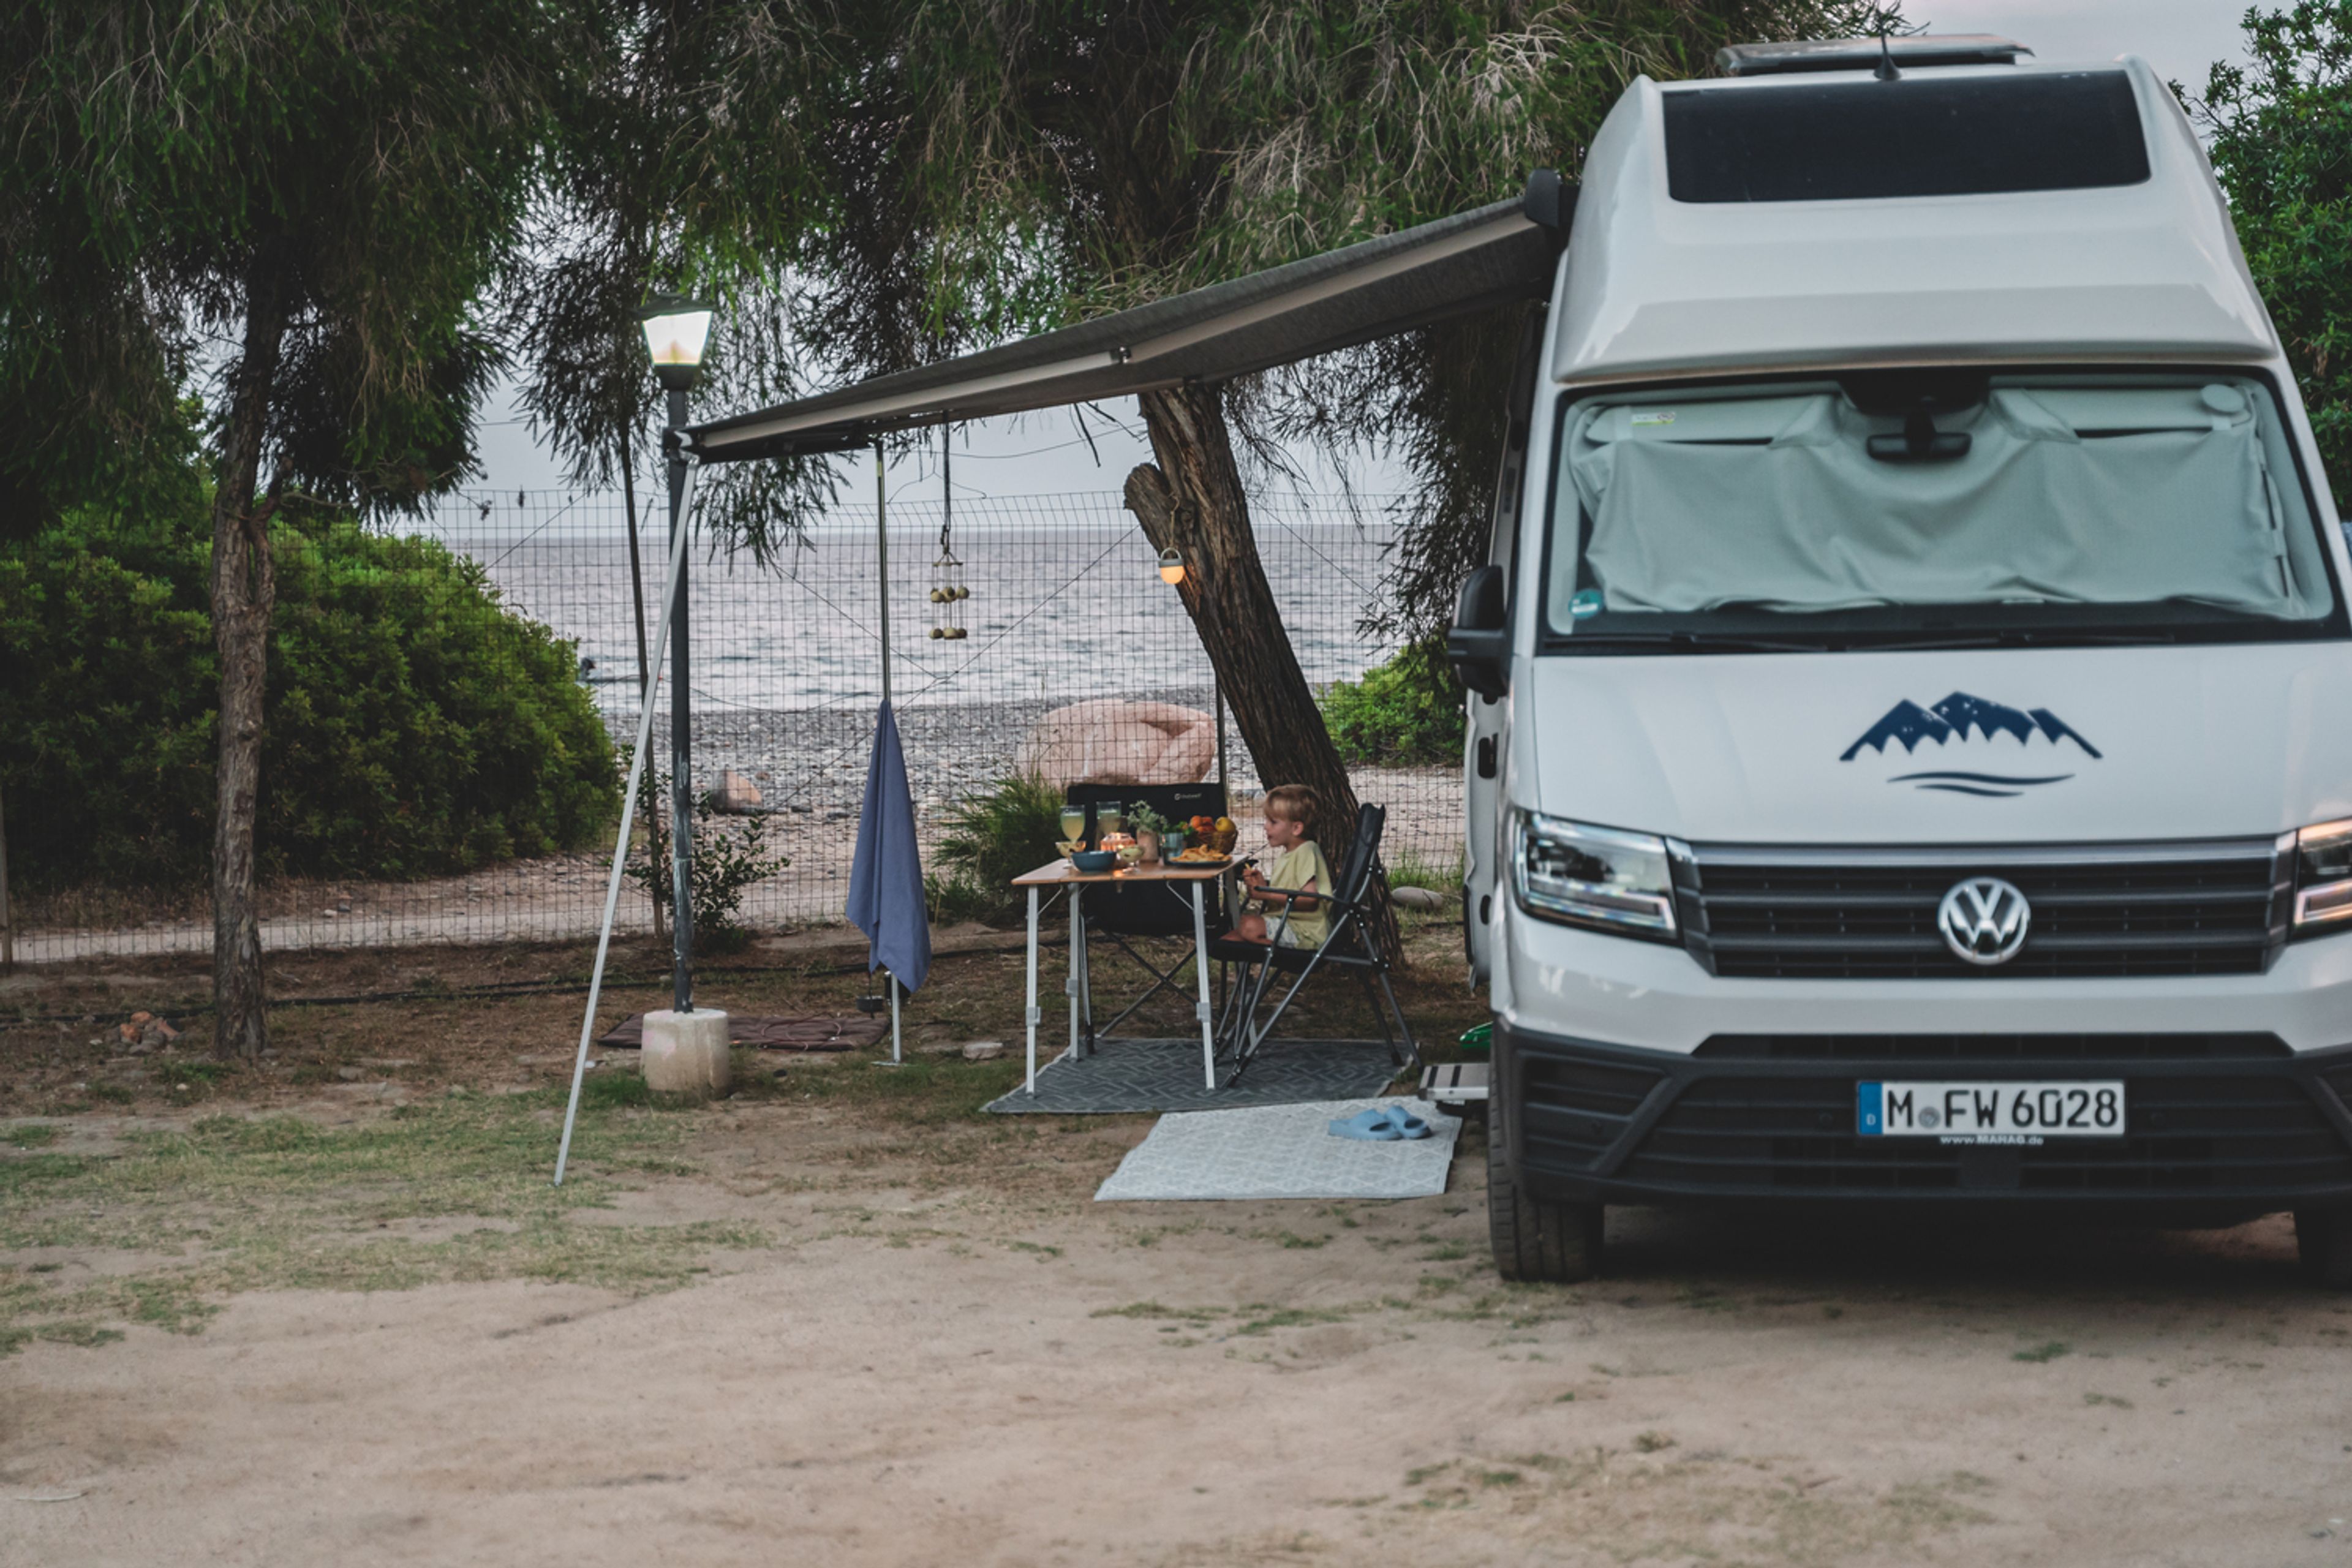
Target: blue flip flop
1406, 1123
1367, 1126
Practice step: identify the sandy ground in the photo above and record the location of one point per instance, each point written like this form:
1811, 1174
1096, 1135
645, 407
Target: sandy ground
939, 1349
989, 1368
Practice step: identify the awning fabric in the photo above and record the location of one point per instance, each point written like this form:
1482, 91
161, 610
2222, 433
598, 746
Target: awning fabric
1472, 261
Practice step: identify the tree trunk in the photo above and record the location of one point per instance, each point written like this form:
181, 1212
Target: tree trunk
244, 591
1192, 502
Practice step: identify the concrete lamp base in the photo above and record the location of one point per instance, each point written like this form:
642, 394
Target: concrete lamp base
686, 1053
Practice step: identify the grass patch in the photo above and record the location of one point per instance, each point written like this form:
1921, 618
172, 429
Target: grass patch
29, 1135
2044, 1352
272, 1202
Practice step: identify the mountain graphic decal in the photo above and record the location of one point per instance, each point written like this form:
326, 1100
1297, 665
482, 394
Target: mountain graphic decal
1962, 718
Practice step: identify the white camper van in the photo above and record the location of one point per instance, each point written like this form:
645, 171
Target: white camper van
1912, 760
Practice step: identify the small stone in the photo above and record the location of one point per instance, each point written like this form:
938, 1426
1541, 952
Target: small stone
140, 1017
983, 1051
350, 1074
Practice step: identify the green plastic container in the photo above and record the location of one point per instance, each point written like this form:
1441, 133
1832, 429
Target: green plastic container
1477, 1040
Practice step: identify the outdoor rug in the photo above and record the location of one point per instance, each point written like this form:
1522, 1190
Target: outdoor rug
1125, 1074
770, 1033
1283, 1151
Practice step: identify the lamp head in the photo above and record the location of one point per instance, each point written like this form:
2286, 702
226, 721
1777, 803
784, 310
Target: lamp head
676, 328
1172, 568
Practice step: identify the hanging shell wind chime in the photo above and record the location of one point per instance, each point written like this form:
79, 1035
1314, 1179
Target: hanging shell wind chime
947, 589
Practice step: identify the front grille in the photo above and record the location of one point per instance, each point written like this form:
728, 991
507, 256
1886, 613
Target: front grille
2211, 1133
1924, 1050
2215, 908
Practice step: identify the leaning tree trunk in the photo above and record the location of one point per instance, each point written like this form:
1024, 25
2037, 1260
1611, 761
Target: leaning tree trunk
244, 591
1192, 502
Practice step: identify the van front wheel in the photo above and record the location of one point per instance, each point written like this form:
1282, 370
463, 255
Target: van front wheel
1556, 1243
2323, 1239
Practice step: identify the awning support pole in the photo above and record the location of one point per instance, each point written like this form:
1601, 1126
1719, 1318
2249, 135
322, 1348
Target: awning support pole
628, 816
882, 561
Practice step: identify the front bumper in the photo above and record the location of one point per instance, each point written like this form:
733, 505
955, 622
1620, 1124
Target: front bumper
2218, 1126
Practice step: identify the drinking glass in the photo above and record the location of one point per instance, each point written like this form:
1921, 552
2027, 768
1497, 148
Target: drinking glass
1107, 816
1074, 821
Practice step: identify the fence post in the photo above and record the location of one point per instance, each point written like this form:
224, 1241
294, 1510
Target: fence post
7, 922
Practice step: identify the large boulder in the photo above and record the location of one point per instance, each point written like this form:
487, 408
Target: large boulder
1111, 742
734, 794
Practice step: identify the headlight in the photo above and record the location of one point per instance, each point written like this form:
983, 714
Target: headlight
2323, 877
1597, 877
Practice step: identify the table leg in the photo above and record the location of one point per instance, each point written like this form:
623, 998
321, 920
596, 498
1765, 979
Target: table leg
1201, 974
1078, 956
1086, 975
1031, 1011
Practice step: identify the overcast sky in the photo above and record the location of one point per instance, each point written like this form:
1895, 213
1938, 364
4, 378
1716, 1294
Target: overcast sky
1044, 453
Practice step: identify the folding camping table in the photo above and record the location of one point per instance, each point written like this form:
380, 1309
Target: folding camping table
1062, 874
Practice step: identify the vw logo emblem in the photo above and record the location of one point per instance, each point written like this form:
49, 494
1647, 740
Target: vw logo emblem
1984, 921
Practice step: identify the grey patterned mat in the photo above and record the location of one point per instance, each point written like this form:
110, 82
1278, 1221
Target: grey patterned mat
1165, 1074
1283, 1151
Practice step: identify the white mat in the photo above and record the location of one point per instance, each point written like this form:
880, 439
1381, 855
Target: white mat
1283, 1151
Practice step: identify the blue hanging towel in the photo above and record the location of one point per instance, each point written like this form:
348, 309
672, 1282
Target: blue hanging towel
886, 878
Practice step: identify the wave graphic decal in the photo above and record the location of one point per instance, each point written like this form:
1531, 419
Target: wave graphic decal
1997, 784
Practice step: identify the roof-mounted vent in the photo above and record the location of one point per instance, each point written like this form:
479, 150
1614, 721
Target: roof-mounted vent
1865, 54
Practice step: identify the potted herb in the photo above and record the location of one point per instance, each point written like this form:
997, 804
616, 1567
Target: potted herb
1150, 828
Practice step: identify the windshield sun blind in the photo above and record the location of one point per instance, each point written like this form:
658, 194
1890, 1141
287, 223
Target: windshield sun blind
1855, 140
1886, 508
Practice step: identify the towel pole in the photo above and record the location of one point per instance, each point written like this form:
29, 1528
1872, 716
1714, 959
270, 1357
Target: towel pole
882, 560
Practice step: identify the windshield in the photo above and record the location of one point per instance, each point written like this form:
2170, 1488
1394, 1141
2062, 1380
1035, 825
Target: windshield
1887, 505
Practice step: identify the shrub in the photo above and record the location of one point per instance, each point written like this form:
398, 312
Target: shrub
1015, 825
726, 861
414, 724
1408, 709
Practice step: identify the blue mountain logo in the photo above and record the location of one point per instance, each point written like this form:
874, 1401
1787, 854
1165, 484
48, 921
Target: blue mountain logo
1963, 718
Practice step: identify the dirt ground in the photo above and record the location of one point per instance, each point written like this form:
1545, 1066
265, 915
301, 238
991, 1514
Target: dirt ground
328, 1309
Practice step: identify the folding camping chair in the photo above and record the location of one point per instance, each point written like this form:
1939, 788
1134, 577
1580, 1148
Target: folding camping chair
1347, 946
1149, 910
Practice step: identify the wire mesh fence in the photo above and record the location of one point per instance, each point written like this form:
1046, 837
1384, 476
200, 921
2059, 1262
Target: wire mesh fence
1027, 609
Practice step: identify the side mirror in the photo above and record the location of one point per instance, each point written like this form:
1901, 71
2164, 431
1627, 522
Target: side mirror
1479, 644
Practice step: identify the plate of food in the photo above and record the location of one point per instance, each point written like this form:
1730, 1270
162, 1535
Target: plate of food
1201, 855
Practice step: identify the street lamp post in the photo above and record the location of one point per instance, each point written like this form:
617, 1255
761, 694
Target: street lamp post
676, 330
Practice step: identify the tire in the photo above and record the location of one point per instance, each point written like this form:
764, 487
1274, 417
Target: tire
1555, 1244
2322, 1239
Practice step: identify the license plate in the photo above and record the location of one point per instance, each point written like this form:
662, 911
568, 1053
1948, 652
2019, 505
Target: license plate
1989, 1112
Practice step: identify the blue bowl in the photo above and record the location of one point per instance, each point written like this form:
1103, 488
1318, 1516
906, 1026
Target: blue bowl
1093, 862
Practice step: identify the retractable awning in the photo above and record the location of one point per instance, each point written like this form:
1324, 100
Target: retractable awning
1472, 261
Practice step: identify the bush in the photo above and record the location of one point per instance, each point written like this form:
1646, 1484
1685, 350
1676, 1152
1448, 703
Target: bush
413, 725
991, 837
1408, 709
725, 862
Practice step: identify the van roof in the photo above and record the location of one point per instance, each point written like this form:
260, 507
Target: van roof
1970, 213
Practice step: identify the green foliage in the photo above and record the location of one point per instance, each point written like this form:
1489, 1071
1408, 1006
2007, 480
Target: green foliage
1015, 825
2281, 141
415, 725
1408, 709
728, 854
336, 188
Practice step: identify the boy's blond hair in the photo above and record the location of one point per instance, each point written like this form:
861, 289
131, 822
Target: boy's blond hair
1293, 802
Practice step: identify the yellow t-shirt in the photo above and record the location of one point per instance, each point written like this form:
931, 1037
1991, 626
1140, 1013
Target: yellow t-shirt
1299, 864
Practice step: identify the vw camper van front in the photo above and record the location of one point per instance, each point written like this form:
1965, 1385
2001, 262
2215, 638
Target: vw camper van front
1913, 763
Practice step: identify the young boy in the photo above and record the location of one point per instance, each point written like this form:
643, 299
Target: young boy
1298, 867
